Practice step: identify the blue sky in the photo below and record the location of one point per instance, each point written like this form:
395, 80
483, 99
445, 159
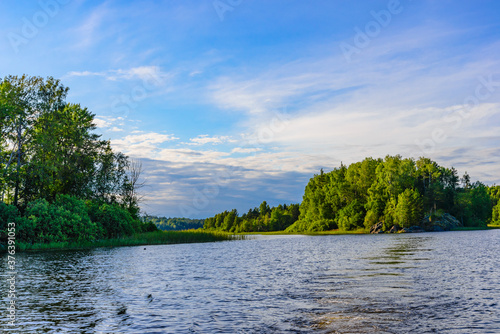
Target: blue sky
228, 103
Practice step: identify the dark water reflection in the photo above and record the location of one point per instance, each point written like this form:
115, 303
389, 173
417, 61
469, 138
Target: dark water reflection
419, 283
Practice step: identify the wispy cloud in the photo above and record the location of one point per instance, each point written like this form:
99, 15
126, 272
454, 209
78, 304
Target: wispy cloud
88, 33
150, 74
142, 145
206, 139
245, 150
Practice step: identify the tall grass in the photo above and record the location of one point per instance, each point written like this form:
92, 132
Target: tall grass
340, 232
149, 238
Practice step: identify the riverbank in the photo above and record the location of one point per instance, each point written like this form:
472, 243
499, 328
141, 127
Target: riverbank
358, 231
140, 239
331, 232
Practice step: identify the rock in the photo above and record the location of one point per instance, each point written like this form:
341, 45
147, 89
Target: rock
377, 228
437, 228
444, 223
412, 229
394, 229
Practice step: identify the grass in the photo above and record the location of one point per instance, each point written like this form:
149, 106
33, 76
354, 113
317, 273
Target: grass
336, 232
358, 231
150, 238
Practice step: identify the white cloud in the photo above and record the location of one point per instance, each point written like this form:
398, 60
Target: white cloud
206, 139
84, 74
144, 145
101, 123
150, 75
245, 150
87, 34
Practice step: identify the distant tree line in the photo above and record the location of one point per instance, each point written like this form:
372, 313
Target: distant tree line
261, 219
58, 180
175, 224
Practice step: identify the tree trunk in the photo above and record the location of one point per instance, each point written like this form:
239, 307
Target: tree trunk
18, 169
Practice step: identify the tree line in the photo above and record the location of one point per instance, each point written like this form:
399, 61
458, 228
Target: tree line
261, 219
175, 224
59, 181
394, 191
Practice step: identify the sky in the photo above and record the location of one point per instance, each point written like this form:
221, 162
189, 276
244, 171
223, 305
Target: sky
231, 102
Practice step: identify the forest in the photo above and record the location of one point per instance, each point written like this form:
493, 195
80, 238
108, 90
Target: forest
174, 224
393, 192
261, 219
59, 181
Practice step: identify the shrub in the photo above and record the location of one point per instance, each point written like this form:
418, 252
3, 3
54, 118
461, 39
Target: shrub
8, 214
115, 221
64, 220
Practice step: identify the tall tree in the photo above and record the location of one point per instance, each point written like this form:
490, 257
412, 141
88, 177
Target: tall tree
23, 100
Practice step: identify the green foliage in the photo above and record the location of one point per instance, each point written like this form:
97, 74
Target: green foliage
409, 210
473, 205
149, 238
351, 216
8, 214
495, 220
50, 159
394, 191
64, 220
149, 226
175, 224
262, 219
115, 220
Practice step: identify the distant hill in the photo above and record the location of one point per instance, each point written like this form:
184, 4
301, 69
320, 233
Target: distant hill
175, 224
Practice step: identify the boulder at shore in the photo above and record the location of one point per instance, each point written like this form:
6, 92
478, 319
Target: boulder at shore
377, 228
446, 222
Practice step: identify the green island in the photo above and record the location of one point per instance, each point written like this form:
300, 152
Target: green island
63, 187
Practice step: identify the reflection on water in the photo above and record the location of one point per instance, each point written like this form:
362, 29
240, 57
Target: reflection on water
431, 282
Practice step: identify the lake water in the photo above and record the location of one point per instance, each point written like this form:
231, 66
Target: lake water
404, 283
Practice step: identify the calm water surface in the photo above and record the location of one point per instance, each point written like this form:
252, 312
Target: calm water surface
405, 283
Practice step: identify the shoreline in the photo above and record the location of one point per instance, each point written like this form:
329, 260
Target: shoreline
139, 239
190, 236
363, 231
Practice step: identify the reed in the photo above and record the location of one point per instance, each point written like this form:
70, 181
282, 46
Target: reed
149, 238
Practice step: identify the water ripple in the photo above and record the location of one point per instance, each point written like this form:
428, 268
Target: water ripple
423, 283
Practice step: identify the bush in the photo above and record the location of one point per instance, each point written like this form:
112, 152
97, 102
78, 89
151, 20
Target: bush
64, 220
149, 227
114, 220
8, 214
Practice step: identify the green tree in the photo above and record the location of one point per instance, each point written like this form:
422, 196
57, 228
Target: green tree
351, 217
22, 101
495, 219
409, 210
